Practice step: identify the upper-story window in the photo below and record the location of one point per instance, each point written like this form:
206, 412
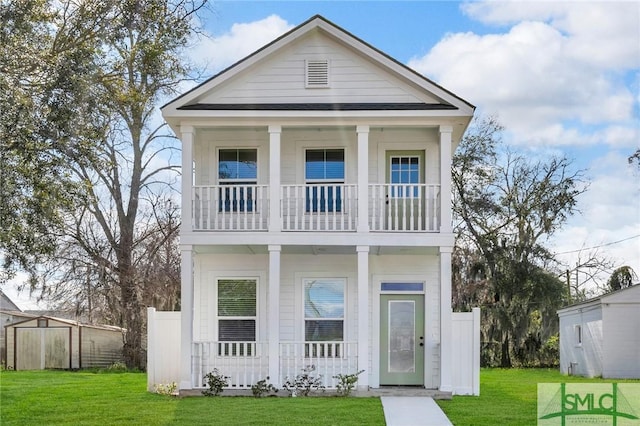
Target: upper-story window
324, 174
237, 167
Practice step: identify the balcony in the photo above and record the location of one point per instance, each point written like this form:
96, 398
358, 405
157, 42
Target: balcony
317, 208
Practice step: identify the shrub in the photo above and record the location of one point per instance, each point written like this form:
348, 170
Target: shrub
346, 382
304, 383
216, 381
117, 367
170, 389
262, 387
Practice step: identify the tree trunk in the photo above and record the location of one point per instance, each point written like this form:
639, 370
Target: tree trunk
505, 359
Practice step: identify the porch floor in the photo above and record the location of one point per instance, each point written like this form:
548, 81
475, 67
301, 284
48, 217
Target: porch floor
408, 391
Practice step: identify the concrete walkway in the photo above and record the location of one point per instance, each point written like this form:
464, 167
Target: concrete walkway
412, 411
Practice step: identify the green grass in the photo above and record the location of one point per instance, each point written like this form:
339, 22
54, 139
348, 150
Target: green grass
508, 397
83, 398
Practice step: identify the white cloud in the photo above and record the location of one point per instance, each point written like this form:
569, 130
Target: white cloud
218, 52
610, 212
555, 67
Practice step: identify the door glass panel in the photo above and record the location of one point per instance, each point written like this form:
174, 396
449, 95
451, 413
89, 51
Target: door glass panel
402, 333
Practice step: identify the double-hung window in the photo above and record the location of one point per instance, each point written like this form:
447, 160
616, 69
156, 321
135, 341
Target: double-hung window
324, 176
237, 169
324, 308
237, 314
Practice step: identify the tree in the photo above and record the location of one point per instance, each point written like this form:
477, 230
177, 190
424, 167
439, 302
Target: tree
622, 277
507, 206
118, 159
45, 85
635, 158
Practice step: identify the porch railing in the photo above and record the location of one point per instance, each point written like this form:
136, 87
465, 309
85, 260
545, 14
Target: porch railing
230, 207
244, 362
404, 207
247, 362
328, 358
319, 207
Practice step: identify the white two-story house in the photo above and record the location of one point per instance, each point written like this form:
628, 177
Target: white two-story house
316, 216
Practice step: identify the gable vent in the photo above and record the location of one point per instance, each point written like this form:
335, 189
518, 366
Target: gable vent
317, 73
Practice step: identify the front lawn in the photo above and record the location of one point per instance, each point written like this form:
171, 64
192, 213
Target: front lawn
508, 397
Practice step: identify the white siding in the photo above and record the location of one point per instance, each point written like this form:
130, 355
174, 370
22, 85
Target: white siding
281, 79
586, 356
621, 334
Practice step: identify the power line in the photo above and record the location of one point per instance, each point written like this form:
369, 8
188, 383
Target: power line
601, 245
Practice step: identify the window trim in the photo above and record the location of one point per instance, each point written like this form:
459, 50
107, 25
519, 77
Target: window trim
344, 281
217, 317
234, 203
236, 181
309, 182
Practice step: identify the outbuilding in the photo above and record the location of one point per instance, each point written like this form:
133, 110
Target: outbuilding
54, 343
601, 336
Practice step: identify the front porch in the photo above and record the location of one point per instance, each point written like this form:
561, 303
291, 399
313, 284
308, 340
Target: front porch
245, 363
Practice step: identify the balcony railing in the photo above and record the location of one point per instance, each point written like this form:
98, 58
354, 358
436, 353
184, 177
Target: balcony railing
317, 207
404, 207
231, 207
247, 362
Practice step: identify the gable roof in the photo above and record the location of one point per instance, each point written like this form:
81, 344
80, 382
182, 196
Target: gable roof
7, 304
192, 99
629, 294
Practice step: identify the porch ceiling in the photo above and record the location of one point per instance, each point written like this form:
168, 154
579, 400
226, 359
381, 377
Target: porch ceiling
316, 250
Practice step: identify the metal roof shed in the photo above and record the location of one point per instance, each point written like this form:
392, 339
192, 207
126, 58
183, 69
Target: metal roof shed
53, 343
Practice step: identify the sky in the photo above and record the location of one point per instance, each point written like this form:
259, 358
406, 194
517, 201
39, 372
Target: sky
563, 78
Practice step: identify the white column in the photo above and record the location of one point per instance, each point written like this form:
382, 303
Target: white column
186, 315
445, 179
275, 222
186, 136
273, 314
446, 350
363, 178
363, 316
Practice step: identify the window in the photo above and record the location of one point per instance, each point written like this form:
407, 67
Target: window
324, 309
238, 169
404, 170
324, 168
578, 330
237, 310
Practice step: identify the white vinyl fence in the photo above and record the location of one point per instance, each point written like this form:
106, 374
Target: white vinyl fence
163, 348
466, 352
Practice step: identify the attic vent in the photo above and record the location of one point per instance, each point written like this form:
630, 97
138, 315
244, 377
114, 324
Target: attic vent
317, 73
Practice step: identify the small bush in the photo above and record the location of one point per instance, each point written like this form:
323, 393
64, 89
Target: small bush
263, 387
216, 382
346, 382
170, 389
117, 367
304, 383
